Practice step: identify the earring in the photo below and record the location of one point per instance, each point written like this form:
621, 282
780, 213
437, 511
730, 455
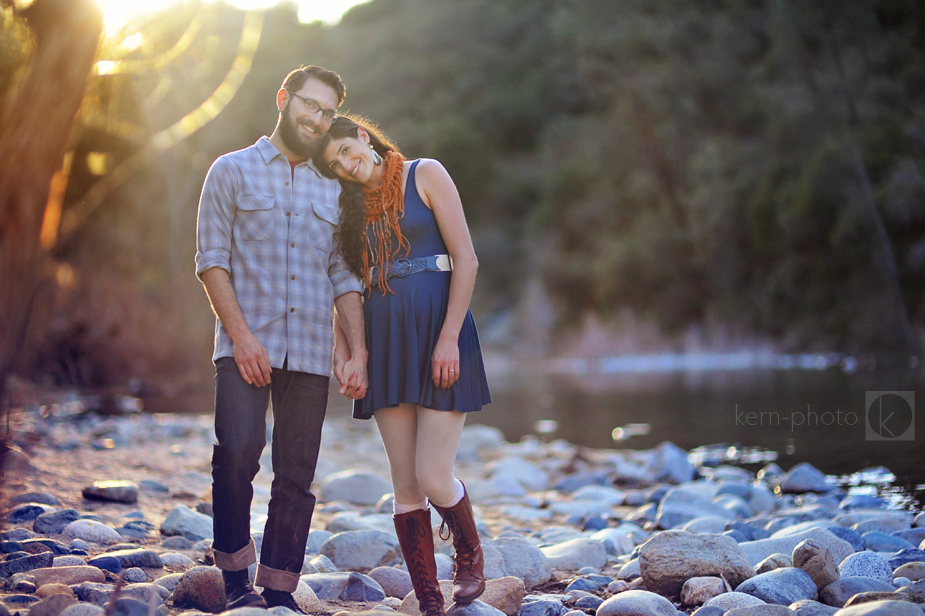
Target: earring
377, 160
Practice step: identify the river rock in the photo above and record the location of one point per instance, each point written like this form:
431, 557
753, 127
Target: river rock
805, 477
605, 495
52, 606
816, 560
112, 490
838, 592
681, 505
355, 520
761, 610
54, 588
636, 603
174, 559
67, 575
774, 561
27, 512
881, 608
54, 522
362, 549
731, 600
68, 561
907, 556
781, 586
670, 558
869, 597
523, 560
756, 551
43, 498
200, 588
531, 476
706, 524
83, 609
915, 536
355, 486
882, 542
807, 607
107, 563
26, 563
135, 557
914, 571
92, 532
542, 607
187, 523
616, 541
698, 590
576, 553
866, 564
394, 581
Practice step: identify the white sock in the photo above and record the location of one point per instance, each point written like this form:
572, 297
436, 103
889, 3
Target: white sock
398, 508
460, 492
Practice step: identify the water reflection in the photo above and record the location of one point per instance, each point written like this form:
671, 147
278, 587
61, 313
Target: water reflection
796, 408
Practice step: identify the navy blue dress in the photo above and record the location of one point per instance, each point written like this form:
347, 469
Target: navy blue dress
402, 330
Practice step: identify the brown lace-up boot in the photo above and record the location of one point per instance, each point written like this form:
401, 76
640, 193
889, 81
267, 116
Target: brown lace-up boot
468, 574
416, 538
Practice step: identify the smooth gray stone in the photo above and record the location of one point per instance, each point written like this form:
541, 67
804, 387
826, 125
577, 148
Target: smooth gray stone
327, 586
881, 608
394, 581
708, 611
756, 551
358, 487
907, 556
27, 512
807, 607
805, 477
187, 523
136, 558
881, 542
732, 600
680, 505
200, 588
838, 592
92, 592
915, 536
476, 608
781, 586
523, 560
762, 610
43, 498
361, 587
636, 603
362, 549
576, 553
53, 523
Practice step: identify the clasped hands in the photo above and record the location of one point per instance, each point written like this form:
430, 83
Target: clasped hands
350, 372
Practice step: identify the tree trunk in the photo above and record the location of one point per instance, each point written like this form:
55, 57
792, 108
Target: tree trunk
34, 131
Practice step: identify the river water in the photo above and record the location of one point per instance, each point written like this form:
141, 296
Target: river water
851, 417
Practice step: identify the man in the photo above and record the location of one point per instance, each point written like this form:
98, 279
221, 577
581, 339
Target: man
270, 266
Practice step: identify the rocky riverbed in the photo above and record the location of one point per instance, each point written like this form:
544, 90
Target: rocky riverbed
110, 514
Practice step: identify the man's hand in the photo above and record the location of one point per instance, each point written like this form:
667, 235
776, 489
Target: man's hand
354, 380
253, 360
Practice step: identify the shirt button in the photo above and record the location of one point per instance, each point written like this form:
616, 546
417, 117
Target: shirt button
288, 213
293, 277
292, 310
293, 244
287, 183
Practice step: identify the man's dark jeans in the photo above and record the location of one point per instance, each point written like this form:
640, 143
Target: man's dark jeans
299, 405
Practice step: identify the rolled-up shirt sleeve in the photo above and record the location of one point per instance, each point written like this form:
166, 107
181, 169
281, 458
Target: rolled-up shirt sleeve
215, 218
342, 279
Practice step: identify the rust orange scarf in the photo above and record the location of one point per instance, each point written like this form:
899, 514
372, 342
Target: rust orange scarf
385, 207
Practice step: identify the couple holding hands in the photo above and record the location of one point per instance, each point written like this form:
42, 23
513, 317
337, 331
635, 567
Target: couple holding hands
327, 215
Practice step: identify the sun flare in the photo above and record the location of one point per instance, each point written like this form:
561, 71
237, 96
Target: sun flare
117, 13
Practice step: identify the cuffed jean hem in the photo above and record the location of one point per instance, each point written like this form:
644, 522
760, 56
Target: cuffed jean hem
274, 579
242, 559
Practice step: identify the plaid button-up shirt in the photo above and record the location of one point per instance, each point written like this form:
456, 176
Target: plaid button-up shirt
274, 235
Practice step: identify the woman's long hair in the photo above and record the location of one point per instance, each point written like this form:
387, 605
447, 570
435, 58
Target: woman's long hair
350, 234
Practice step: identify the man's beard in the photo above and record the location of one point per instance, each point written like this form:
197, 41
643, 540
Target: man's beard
294, 139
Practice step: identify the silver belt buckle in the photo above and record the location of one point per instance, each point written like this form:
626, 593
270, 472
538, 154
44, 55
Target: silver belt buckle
400, 268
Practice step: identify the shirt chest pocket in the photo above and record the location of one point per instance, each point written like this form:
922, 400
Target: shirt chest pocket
324, 222
254, 221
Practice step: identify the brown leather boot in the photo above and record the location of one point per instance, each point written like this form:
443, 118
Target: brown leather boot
416, 538
468, 575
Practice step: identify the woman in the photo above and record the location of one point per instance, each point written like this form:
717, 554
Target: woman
403, 232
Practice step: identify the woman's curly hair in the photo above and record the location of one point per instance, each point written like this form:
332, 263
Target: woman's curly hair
350, 234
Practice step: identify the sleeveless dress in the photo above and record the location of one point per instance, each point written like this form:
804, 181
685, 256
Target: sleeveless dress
402, 329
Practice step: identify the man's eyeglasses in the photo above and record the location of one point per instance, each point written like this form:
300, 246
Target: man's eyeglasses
313, 107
